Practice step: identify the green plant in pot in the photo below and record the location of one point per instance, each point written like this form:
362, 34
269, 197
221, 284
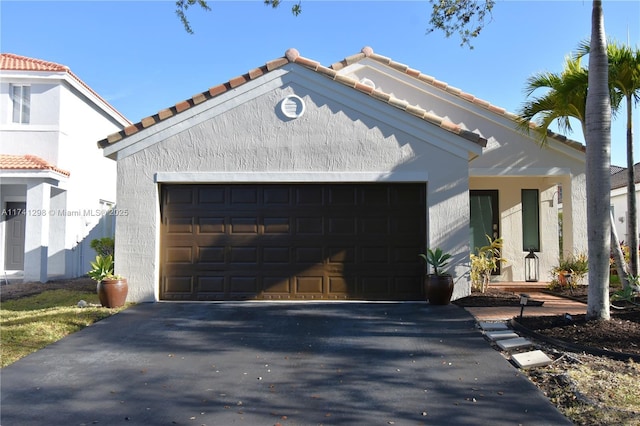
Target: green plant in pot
439, 284
112, 289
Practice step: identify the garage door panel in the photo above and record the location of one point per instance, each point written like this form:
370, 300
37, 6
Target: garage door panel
245, 225
244, 255
342, 196
339, 286
211, 284
313, 285
211, 195
374, 255
375, 196
309, 226
211, 254
244, 195
308, 195
342, 225
179, 255
277, 285
277, 196
277, 225
243, 284
374, 226
375, 286
278, 255
407, 285
211, 225
179, 196
308, 255
407, 196
404, 224
404, 256
179, 287
342, 255
180, 225
292, 241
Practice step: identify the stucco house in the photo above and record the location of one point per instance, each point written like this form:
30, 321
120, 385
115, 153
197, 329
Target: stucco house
55, 188
302, 181
619, 198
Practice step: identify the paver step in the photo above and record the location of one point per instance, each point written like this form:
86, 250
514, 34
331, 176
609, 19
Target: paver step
500, 335
493, 326
516, 343
531, 359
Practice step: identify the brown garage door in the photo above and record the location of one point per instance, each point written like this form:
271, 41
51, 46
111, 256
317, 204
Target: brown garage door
292, 241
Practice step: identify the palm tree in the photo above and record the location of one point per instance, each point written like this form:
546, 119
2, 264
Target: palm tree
565, 98
598, 141
624, 81
584, 96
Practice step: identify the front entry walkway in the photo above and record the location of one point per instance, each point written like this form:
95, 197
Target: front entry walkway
263, 363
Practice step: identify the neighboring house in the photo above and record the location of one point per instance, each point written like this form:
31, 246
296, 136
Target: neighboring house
300, 181
619, 198
55, 187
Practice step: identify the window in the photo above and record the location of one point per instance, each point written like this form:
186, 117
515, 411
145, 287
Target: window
21, 98
530, 220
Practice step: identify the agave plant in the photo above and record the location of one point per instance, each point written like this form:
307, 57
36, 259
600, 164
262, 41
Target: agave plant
102, 268
437, 259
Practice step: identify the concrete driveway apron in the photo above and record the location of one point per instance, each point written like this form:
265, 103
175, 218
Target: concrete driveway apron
264, 363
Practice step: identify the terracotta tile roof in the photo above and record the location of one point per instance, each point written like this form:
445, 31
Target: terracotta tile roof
367, 52
292, 56
11, 62
27, 162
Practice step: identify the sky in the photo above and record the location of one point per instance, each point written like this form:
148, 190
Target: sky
137, 55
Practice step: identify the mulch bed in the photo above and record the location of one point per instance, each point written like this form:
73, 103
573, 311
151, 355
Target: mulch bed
620, 334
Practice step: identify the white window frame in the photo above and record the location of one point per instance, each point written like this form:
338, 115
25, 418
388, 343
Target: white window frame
21, 103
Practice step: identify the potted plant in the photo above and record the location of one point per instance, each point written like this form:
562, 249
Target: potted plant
112, 289
570, 271
439, 285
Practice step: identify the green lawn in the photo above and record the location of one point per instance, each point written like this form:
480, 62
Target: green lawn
31, 323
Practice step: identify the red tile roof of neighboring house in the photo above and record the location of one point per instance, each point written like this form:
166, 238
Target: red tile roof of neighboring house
27, 162
11, 62
292, 56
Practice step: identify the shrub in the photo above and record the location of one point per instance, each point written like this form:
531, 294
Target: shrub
103, 246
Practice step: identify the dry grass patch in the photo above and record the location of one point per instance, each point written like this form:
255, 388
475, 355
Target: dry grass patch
31, 323
590, 390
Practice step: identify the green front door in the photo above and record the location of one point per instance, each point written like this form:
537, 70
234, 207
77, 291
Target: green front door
484, 218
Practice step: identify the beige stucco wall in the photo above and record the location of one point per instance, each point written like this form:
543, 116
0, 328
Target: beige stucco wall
245, 137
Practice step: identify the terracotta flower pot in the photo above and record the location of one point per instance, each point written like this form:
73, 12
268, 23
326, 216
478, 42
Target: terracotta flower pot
438, 289
113, 293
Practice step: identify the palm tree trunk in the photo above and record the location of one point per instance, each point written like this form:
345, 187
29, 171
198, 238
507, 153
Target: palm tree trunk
618, 256
598, 140
632, 219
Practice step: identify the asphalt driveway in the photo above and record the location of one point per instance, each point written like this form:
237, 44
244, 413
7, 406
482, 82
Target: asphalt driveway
264, 363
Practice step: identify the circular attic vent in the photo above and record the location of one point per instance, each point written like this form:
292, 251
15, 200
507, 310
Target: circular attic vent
292, 106
368, 82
